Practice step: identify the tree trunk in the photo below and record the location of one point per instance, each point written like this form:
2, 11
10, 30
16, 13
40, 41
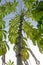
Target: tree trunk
18, 54
3, 59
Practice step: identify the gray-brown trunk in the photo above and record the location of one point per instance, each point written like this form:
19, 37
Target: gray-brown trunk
19, 57
3, 59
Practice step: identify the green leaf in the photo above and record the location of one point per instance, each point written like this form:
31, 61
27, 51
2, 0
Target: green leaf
2, 34
6, 45
2, 47
13, 29
27, 27
0, 51
2, 24
7, 8
0, 0
24, 43
38, 11
9, 63
25, 55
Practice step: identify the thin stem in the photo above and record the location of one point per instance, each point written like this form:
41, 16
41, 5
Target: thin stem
26, 63
37, 61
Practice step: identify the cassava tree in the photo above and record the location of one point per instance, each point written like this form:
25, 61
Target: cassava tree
4, 10
3, 42
3, 32
19, 26
32, 7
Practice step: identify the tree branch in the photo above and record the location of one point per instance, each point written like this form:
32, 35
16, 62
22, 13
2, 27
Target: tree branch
37, 61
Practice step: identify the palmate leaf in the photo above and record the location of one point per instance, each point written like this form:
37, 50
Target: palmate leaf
37, 38
7, 46
3, 47
15, 21
13, 30
28, 3
2, 34
25, 55
40, 29
38, 11
9, 63
28, 14
31, 32
7, 8
40, 45
0, 51
12, 38
24, 43
34, 9
37, 15
2, 23
40, 25
27, 27
40, 6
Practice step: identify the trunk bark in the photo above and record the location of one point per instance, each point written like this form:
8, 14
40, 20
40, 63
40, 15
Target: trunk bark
3, 59
18, 54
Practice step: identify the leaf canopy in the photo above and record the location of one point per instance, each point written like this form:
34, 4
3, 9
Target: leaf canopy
7, 8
